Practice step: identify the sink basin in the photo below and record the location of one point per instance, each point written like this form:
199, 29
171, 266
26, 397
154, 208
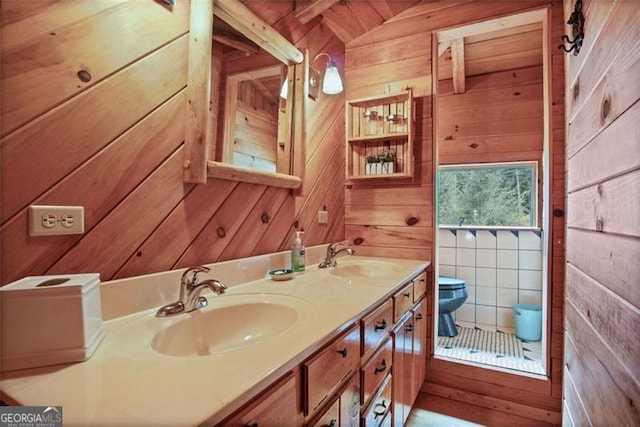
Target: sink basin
364, 268
229, 323
205, 332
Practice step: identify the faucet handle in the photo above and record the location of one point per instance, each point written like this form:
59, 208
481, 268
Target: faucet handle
194, 274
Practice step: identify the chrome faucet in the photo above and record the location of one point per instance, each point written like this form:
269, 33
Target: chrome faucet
332, 252
190, 290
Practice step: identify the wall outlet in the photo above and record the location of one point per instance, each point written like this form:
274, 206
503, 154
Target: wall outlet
323, 217
55, 220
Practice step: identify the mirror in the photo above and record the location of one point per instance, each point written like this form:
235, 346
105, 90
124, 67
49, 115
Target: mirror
205, 154
253, 113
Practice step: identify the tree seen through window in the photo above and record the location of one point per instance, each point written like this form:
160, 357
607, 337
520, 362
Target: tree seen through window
487, 195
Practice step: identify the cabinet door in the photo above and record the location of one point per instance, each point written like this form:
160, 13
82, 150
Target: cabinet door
330, 369
350, 403
402, 369
275, 407
419, 347
331, 417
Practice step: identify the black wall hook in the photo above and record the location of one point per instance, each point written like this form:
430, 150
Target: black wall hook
576, 20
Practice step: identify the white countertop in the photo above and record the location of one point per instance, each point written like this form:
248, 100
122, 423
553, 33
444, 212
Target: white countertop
126, 382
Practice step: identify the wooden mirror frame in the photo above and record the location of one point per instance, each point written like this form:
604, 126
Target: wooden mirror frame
199, 133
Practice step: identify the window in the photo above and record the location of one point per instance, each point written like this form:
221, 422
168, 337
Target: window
502, 194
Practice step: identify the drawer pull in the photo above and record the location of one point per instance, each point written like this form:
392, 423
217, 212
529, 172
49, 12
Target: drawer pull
380, 409
409, 327
333, 423
343, 352
422, 280
381, 368
407, 294
381, 325
418, 316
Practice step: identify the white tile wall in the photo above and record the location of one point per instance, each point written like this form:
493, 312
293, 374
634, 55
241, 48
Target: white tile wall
466, 257
486, 276
486, 239
486, 314
447, 238
507, 240
530, 260
468, 274
447, 256
466, 239
486, 258
530, 280
529, 240
448, 270
501, 268
507, 278
486, 295
507, 297
507, 258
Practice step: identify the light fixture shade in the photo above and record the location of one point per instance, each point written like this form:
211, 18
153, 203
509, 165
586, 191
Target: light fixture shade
284, 91
332, 83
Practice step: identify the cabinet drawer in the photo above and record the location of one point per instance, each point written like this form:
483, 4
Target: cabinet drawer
375, 371
331, 417
375, 328
402, 301
419, 286
379, 407
275, 407
327, 370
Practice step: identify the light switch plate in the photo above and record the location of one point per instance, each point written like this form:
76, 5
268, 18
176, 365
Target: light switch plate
47, 220
323, 217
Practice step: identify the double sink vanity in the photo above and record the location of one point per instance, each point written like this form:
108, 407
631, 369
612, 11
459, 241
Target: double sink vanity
331, 346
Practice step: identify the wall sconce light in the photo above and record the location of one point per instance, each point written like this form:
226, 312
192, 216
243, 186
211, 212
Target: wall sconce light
284, 90
331, 84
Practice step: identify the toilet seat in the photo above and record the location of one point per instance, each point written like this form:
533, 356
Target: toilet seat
450, 283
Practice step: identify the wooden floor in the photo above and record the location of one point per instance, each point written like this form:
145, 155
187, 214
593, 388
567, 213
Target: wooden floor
433, 410
423, 418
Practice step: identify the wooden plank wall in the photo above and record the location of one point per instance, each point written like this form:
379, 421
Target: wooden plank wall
114, 143
602, 341
498, 119
388, 59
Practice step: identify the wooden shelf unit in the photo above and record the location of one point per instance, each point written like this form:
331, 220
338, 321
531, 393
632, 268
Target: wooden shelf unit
367, 136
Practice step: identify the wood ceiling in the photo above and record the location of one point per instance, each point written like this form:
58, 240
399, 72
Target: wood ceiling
349, 19
503, 49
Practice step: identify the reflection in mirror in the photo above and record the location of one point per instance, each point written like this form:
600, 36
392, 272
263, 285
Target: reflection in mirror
254, 130
254, 112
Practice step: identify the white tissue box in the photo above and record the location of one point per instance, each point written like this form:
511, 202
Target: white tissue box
48, 320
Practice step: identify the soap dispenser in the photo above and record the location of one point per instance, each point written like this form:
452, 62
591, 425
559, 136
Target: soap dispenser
298, 253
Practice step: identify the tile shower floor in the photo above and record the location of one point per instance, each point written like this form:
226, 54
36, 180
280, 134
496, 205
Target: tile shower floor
494, 348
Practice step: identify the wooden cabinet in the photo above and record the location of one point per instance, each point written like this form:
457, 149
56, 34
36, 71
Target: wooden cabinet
419, 287
344, 411
326, 371
374, 415
375, 328
402, 301
275, 407
403, 361
419, 347
380, 137
368, 376
331, 418
375, 370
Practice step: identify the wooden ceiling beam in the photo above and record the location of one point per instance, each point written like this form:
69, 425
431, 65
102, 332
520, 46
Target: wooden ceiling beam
257, 30
457, 65
309, 9
502, 23
237, 44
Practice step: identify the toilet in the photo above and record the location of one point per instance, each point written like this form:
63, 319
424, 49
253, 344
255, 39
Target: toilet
452, 293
